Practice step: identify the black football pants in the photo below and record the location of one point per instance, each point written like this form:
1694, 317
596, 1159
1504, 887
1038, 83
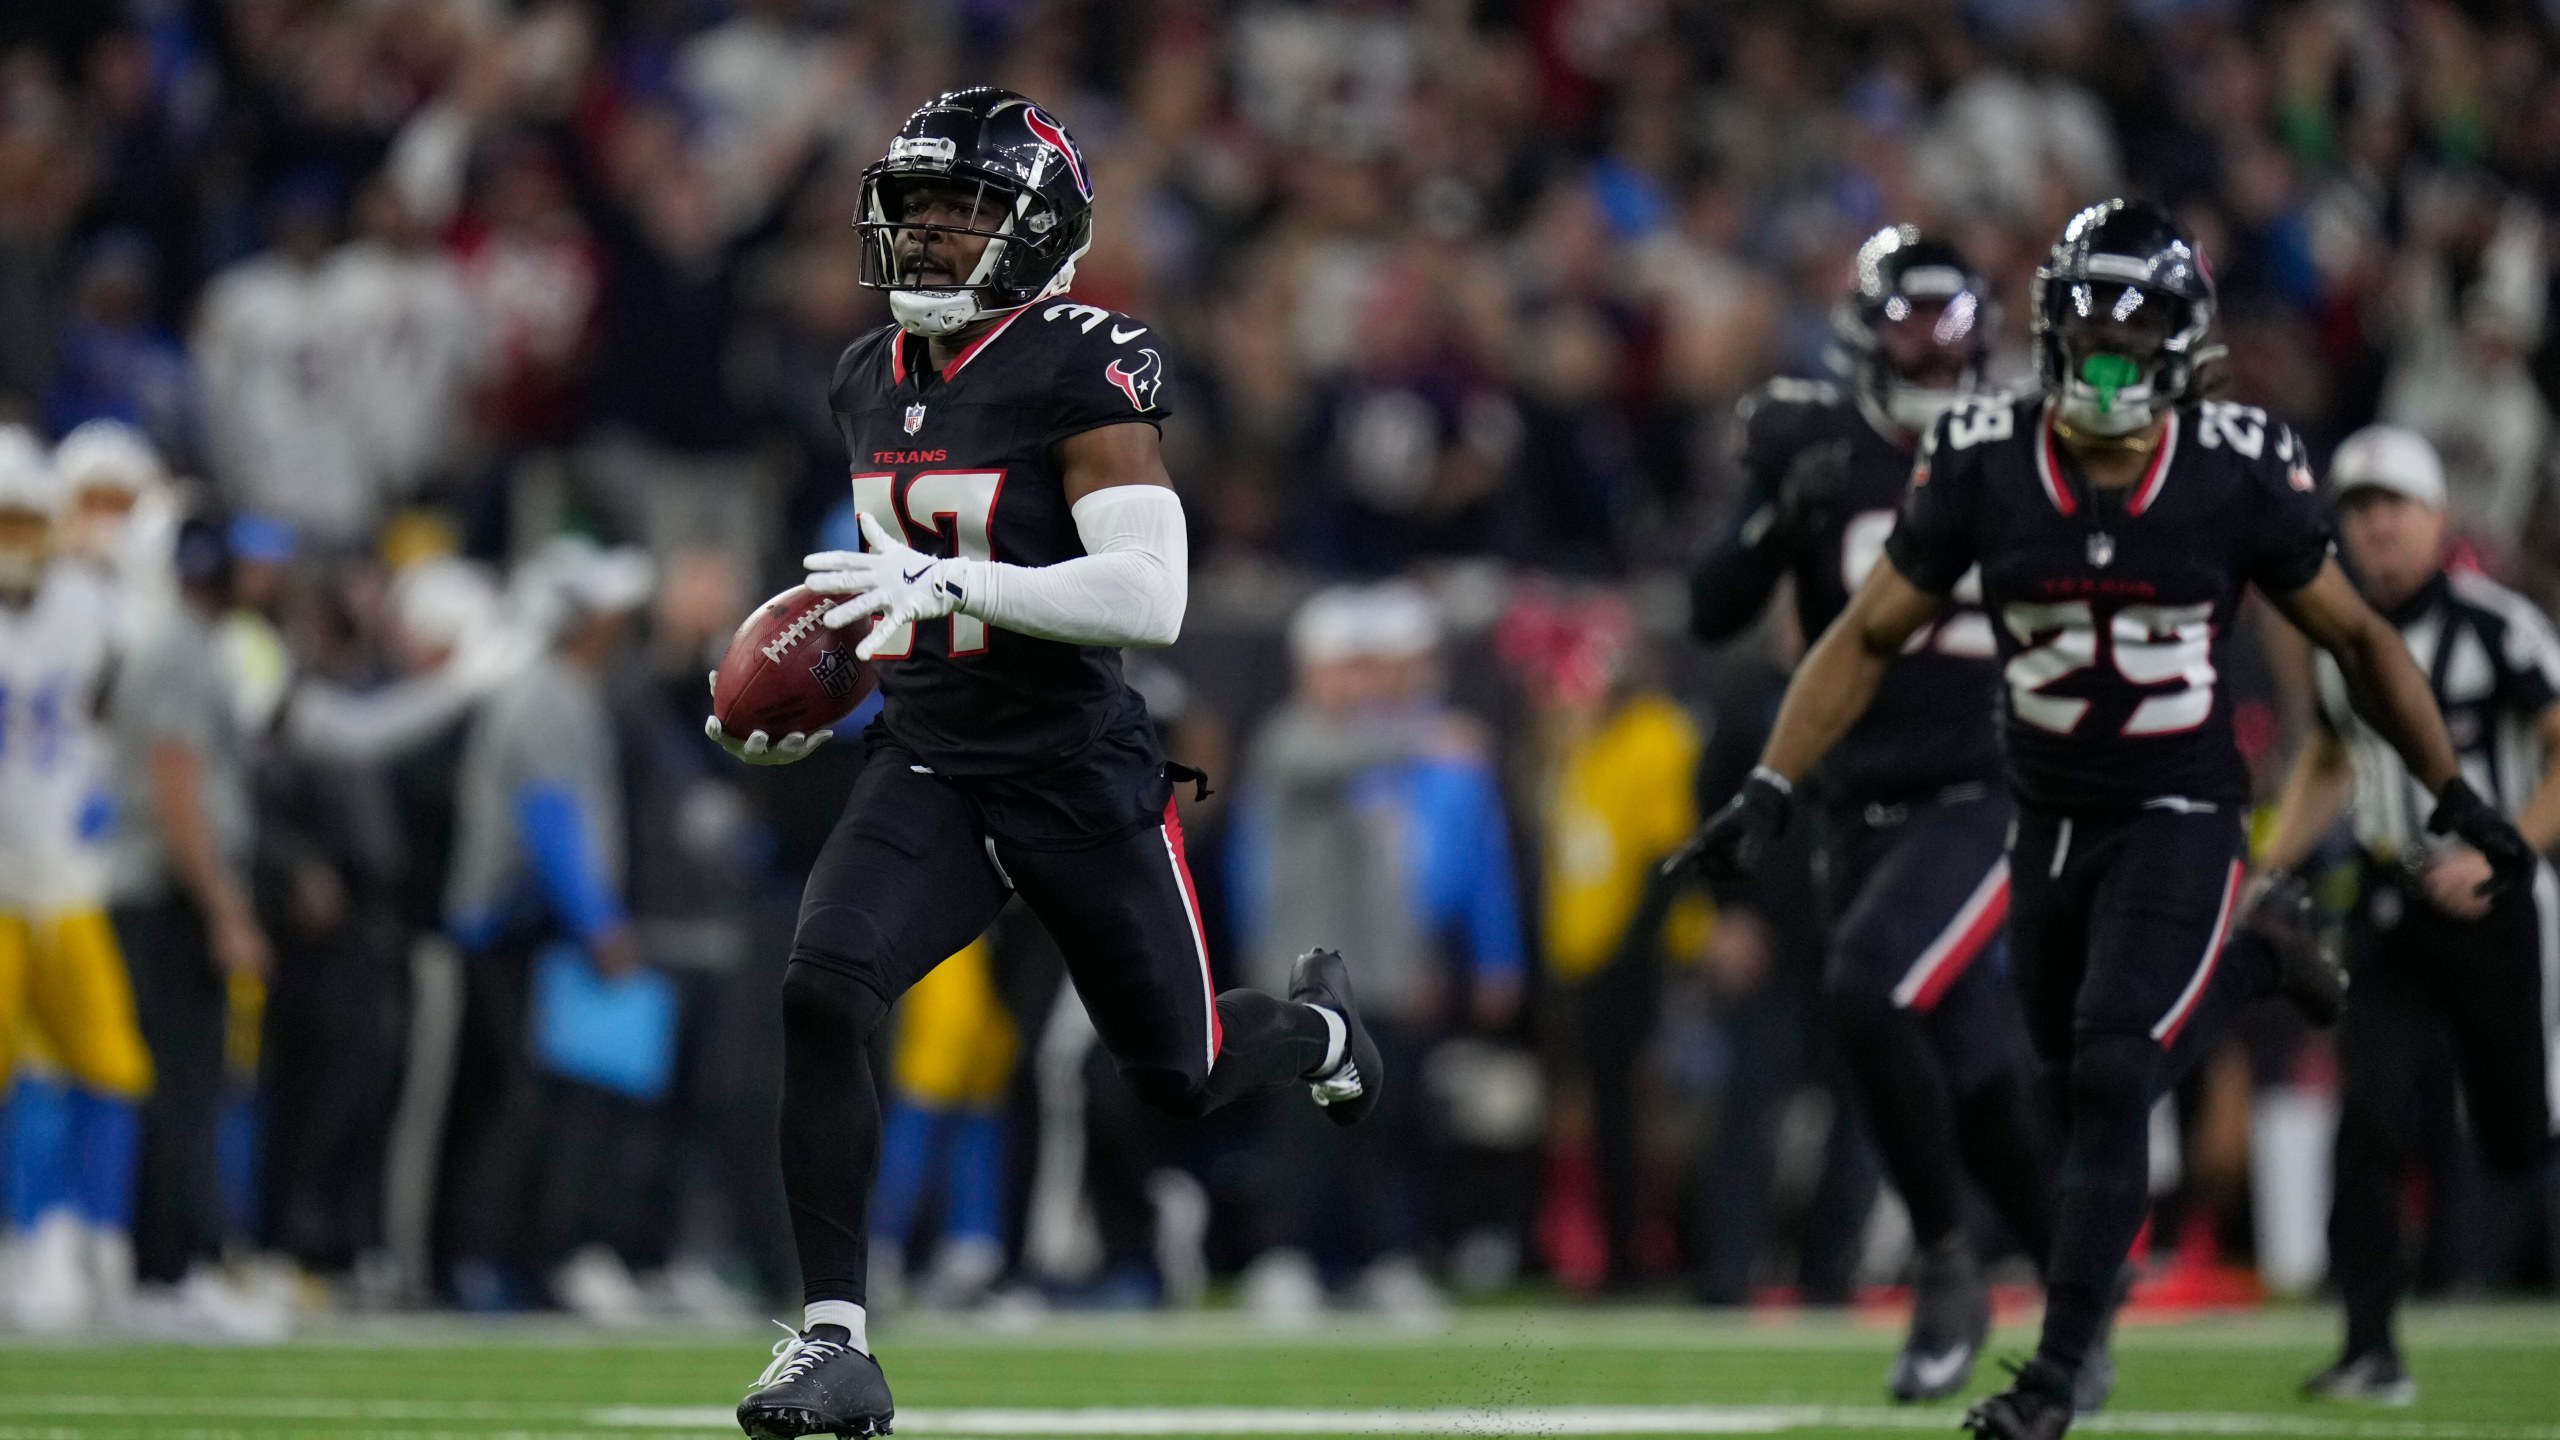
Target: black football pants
2118, 924
2420, 981
183, 1005
911, 875
1917, 993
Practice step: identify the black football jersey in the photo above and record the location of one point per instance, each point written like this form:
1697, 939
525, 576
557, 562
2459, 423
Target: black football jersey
961, 463
1825, 486
2113, 609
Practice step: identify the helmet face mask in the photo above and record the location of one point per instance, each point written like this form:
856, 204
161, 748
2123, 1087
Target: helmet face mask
1928, 356
2119, 346
1914, 333
981, 207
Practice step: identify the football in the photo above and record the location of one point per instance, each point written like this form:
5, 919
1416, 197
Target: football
786, 671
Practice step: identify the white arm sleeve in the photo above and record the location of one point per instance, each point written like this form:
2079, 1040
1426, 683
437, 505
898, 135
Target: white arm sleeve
1129, 588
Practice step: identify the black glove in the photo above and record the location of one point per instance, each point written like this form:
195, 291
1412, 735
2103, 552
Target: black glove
2283, 918
1728, 847
2461, 812
2282, 910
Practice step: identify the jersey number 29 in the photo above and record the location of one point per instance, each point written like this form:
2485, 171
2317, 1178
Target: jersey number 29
959, 506
2147, 644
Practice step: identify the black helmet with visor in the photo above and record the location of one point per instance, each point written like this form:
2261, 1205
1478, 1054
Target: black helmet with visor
981, 162
2123, 304
1914, 332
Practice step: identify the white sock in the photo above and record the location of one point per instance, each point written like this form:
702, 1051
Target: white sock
1337, 1040
839, 1312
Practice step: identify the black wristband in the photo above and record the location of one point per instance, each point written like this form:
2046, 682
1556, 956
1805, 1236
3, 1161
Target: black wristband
2455, 800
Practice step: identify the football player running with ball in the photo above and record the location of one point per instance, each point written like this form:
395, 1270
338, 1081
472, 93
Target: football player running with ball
1019, 530
2115, 518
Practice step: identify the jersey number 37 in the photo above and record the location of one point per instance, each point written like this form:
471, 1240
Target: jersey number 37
2147, 644
958, 507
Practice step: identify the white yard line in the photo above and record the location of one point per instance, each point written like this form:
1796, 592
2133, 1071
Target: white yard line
262, 1407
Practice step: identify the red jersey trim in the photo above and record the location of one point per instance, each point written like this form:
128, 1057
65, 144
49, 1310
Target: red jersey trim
898, 350
981, 343
2049, 467
2158, 474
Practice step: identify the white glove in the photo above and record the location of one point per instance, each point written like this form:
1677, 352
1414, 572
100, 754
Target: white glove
892, 580
759, 748
762, 749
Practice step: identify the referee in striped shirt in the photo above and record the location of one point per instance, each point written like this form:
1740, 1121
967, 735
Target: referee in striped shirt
2429, 959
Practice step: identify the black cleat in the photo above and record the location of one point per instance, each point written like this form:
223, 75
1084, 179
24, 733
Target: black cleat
2375, 1377
1350, 1090
2283, 920
2036, 1406
817, 1386
1950, 1319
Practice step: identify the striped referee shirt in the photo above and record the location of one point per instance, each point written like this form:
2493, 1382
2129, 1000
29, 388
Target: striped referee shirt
2494, 665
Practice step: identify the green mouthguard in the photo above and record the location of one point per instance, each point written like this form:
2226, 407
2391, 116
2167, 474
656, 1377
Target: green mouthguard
2110, 373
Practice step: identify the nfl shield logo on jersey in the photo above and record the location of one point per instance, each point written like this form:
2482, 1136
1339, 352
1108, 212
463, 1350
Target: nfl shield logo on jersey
2102, 549
915, 417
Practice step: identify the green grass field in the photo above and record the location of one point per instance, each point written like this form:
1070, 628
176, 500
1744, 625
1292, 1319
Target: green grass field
2487, 1374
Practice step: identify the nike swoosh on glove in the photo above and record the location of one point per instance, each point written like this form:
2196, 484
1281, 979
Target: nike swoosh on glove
1729, 846
891, 579
2461, 812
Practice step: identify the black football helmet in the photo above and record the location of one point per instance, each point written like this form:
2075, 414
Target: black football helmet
1914, 332
1005, 169
2122, 307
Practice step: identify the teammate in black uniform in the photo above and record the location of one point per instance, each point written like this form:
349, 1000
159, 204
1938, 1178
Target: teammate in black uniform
1018, 530
1914, 816
2115, 520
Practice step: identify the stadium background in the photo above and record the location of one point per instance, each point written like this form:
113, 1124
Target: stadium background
1462, 293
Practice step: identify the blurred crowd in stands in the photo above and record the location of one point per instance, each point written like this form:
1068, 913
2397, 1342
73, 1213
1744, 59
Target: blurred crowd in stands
472, 360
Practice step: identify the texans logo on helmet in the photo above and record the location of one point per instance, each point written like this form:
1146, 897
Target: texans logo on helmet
1054, 135
1141, 384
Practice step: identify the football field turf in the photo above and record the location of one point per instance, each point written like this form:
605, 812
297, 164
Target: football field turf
2486, 1373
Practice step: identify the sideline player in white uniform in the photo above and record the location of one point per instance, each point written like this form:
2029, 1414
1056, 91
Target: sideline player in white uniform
118, 518
65, 998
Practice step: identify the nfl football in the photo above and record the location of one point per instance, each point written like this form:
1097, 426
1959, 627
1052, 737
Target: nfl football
786, 671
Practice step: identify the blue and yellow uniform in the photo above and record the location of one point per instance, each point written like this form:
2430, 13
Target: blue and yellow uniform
66, 1001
